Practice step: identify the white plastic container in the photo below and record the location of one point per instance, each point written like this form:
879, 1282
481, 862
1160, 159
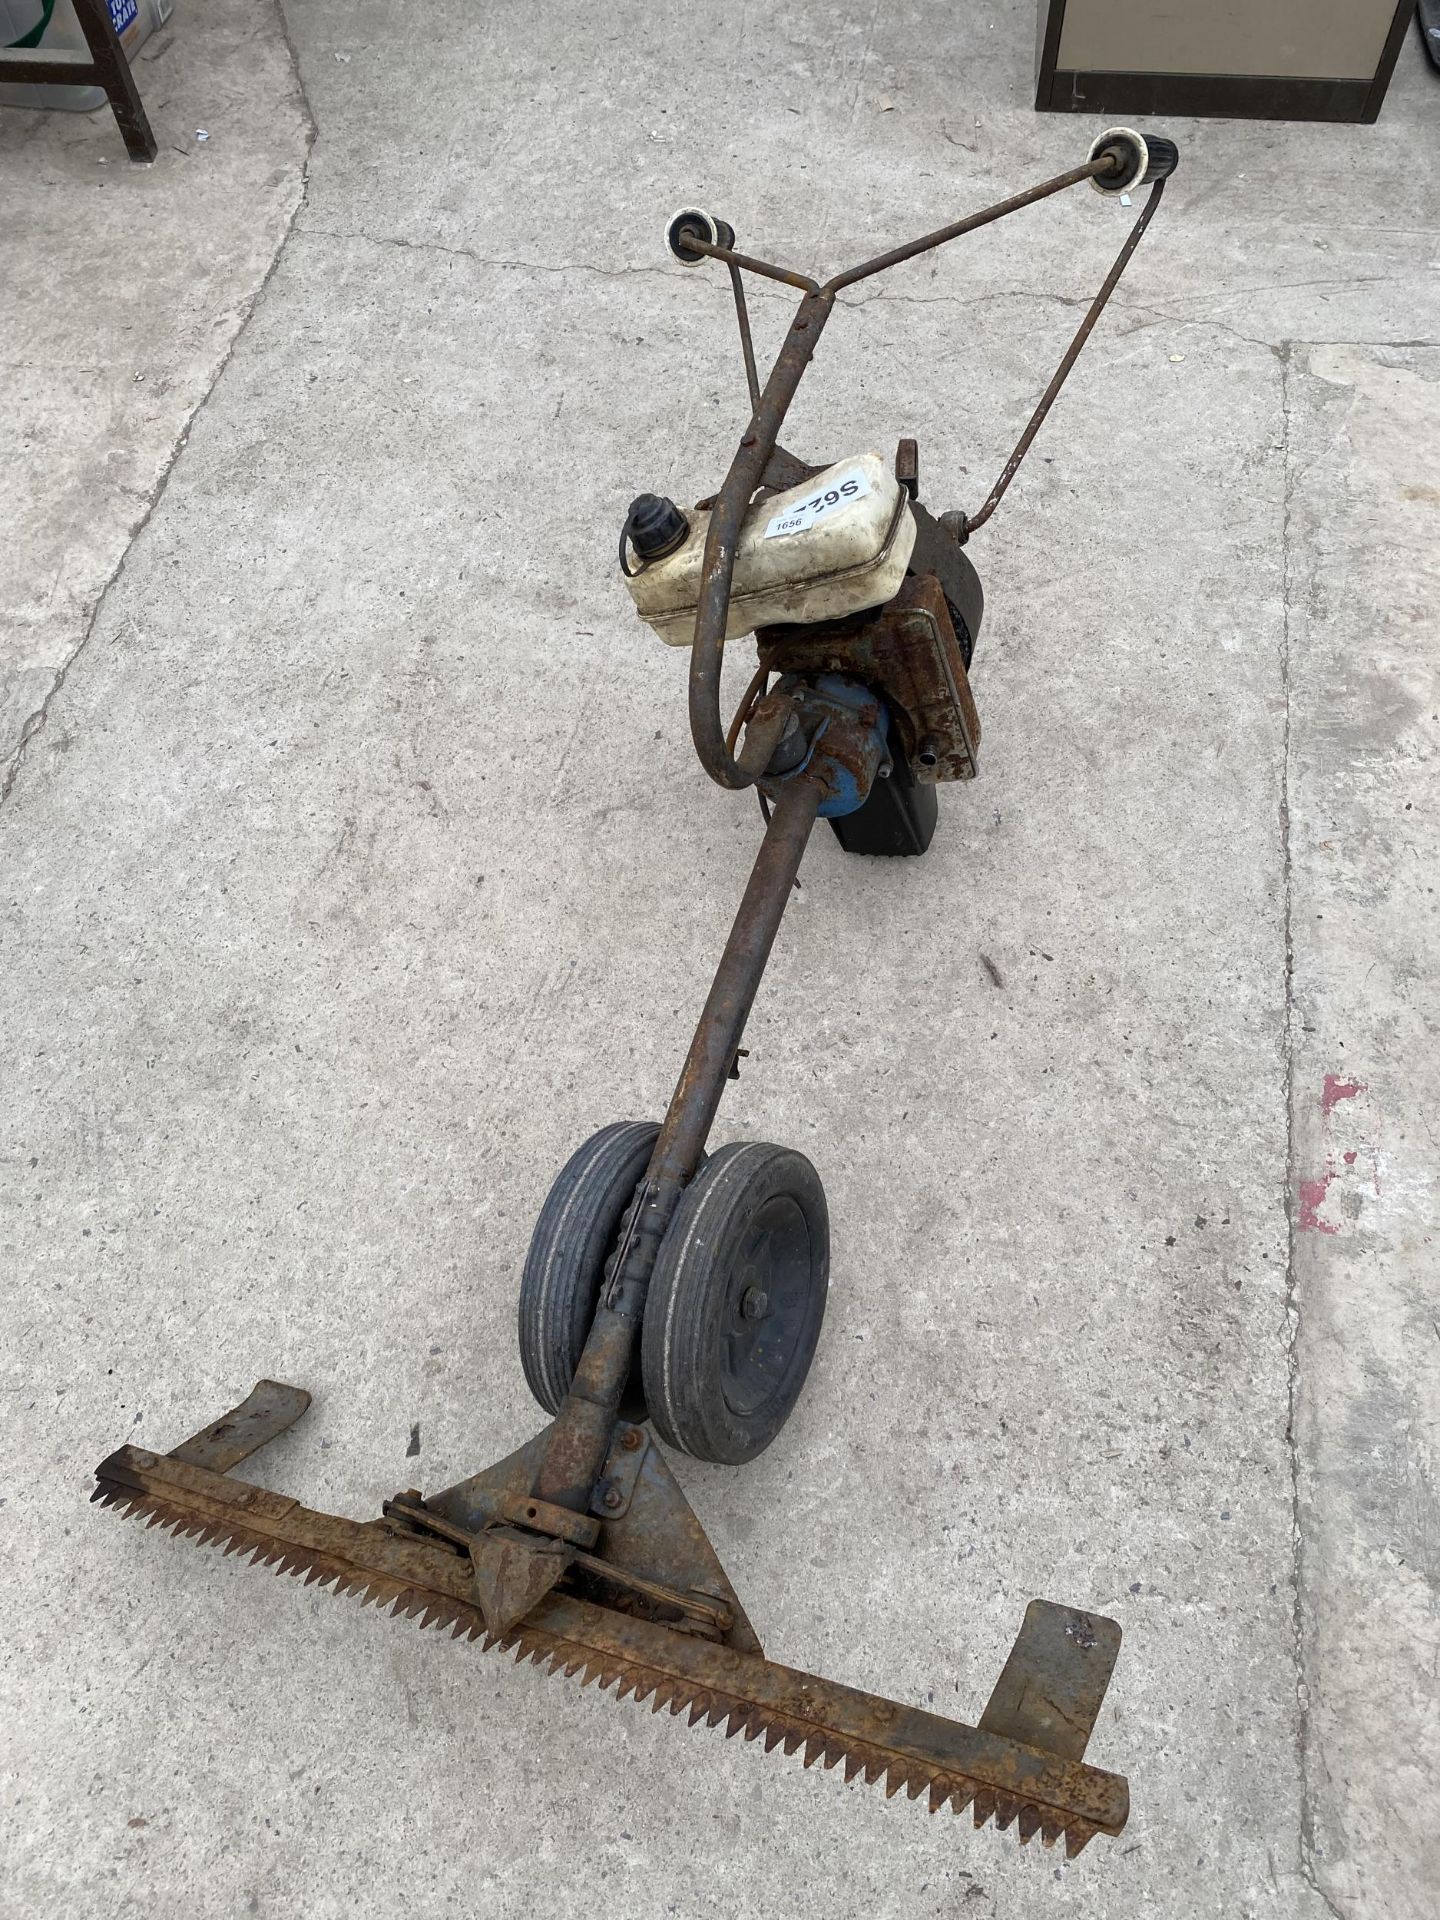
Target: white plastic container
834, 546
135, 21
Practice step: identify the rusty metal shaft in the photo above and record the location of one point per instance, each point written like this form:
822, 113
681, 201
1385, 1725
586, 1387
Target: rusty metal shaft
718, 567
732, 993
584, 1428
1092, 169
1072, 354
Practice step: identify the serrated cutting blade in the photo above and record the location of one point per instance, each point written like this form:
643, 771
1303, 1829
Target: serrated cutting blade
1029, 1787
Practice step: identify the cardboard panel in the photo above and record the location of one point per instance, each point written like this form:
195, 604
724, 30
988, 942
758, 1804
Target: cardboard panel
1326, 39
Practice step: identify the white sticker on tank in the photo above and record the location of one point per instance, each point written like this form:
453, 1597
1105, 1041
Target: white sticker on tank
830, 499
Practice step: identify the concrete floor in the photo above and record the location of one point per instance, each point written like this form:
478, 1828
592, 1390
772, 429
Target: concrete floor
357, 865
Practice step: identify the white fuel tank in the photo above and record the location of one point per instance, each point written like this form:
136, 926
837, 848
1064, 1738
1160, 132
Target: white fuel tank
834, 546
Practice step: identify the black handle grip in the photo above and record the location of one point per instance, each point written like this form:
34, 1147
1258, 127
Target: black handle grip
1138, 159
693, 223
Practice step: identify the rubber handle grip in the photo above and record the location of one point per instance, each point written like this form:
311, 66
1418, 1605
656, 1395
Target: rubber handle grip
1140, 158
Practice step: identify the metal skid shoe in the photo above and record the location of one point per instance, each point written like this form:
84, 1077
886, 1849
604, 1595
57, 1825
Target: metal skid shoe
676, 1293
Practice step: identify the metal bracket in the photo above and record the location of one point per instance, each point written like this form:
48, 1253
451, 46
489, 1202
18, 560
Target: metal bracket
267, 1411
615, 1488
1053, 1684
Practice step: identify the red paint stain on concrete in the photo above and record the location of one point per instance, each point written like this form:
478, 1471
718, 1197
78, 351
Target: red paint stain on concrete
1311, 1195
1336, 1090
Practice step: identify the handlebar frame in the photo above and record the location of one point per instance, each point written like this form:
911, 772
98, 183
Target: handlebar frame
770, 404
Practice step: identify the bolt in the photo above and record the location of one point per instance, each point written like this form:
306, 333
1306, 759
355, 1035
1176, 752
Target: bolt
755, 1303
631, 1439
611, 1499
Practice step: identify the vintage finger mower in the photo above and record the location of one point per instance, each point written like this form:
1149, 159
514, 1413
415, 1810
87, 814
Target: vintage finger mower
671, 1294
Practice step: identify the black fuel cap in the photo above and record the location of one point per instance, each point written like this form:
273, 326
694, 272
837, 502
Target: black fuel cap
655, 526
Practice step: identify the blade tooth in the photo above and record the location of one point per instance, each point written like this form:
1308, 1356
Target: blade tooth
1028, 1824
984, 1806
663, 1693
1006, 1809
814, 1747
875, 1765
795, 1739
775, 1731
919, 1781
592, 1672
1050, 1830
853, 1763
834, 1752
1078, 1836
940, 1790
962, 1796
646, 1685
755, 1723
627, 1686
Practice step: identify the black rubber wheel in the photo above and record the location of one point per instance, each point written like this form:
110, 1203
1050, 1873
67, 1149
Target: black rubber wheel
736, 1302
572, 1240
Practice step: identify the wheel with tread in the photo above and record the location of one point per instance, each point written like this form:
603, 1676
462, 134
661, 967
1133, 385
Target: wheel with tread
736, 1302
573, 1238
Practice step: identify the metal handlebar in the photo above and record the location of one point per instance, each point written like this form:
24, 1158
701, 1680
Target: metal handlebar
1113, 155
